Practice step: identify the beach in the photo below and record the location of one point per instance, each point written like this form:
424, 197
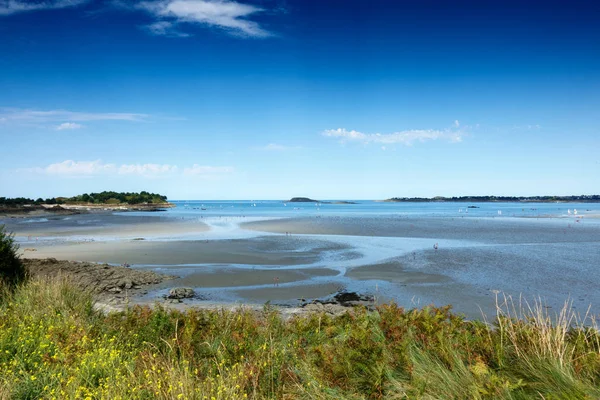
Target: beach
288, 260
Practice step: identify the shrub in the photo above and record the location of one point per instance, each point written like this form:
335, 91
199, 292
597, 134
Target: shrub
12, 270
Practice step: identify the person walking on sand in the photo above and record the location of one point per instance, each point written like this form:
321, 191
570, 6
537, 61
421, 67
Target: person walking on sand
435, 246
276, 281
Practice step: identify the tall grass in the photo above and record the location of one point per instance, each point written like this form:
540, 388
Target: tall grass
53, 344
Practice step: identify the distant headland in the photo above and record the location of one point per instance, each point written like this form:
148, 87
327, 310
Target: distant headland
309, 200
107, 200
492, 199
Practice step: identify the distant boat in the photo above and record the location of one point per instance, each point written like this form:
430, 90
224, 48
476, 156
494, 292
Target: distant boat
285, 205
569, 211
203, 208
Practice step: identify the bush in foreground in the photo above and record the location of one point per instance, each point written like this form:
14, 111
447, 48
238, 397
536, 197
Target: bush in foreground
12, 271
54, 345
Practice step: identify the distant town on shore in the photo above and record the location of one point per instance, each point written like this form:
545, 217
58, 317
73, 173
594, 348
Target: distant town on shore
490, 199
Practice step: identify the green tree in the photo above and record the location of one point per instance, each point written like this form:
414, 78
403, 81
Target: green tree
12, 270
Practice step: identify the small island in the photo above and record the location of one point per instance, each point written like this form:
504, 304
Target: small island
302, 200
495, 199
106, 200
309, 200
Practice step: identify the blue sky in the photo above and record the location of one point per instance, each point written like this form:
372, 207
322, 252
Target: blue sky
271, 99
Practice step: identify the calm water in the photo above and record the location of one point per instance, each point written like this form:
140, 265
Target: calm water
275, 208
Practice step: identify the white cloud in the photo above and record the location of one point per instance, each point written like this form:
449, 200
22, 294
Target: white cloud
207, 170
15, 6
147, 169
456, 123
70, 168
76, 168
38, 116
407, 137
68, 126
229, 15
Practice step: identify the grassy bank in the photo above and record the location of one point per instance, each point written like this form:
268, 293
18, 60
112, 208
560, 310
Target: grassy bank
54, 345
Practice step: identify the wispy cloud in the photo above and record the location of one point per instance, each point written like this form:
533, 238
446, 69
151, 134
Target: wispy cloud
75, 168
407, 137
68, 126
278, 147
71, 168
17, 6
199, 170
534, 127
165, 28
231, 16
28, 116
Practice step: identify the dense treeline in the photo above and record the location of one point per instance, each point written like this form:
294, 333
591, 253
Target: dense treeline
483, 199
105, 197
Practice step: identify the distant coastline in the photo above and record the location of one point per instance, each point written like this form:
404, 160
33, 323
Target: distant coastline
103, 201
498, 199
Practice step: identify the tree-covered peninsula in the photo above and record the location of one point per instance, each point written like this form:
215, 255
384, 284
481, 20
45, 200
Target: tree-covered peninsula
106, 197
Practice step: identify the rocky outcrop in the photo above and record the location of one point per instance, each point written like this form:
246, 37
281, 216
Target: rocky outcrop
97, 278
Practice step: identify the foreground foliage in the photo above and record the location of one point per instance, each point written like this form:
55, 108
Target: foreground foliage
53, 344
12, 270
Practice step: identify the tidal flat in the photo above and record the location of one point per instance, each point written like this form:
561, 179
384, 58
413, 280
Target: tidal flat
286, 261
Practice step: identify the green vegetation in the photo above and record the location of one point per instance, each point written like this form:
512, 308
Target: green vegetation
486, 199
12, 270
54, 345
93, 198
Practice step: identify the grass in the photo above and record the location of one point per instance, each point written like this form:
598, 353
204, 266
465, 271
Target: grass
53, 344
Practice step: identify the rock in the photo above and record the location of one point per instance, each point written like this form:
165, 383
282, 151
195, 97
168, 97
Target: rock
352, 298
340, 302
181, 293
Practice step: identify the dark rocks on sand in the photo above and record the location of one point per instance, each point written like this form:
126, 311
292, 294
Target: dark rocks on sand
340, 302
352, 298
181, 293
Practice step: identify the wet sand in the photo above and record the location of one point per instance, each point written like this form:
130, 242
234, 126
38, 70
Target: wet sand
103, 225
484, 230
290, 295
267, 251
219, 277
